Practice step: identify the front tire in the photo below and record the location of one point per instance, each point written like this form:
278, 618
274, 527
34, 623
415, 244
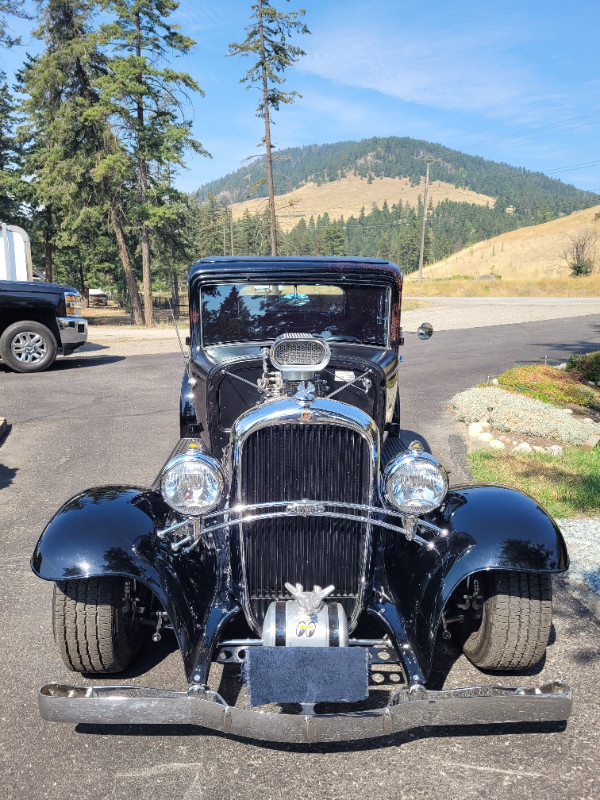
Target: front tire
28, 346
95, 625
515, 622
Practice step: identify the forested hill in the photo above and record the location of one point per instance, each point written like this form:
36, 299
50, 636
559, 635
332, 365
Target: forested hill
533, 195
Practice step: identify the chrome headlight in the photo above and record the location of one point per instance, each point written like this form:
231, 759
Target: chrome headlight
192, 483
415, 483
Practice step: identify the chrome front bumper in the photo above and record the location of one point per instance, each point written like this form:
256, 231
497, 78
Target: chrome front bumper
73, 333
408, 708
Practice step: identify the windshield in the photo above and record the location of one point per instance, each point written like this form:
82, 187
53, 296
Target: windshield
243, 312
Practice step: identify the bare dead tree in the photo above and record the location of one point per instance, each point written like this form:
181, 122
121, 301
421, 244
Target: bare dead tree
580, 252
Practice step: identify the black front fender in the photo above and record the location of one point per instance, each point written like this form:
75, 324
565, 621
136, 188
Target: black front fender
111, 530
488, 528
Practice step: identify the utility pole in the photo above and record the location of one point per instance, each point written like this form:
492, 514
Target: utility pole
230, 215
429, 161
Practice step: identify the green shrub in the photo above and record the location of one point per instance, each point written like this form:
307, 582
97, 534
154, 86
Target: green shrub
586, 367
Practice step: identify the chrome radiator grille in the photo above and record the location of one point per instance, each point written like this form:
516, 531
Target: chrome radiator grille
292, 462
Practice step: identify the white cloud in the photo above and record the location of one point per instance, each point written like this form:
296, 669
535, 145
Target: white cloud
447, 71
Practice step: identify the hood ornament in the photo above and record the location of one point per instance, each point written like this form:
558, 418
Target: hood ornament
309, 602
305, 393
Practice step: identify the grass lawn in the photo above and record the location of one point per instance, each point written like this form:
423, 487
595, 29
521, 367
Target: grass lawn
567, 486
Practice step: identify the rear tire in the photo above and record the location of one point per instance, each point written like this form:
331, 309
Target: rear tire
28, 346
95, 626
515, 623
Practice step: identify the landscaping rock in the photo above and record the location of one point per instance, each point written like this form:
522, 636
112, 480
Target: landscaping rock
496, 444
485, 437
522, 416
524, 447
562, 367
567, 410
505, 439
538, 449
591, 442
475, 429
555, 450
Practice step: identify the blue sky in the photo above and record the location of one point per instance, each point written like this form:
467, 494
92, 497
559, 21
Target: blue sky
517, 82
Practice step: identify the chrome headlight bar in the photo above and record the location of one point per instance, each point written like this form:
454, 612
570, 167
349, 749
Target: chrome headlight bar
245, 514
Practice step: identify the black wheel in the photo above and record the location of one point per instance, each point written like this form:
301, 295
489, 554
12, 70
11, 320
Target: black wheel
96, 628
515, 622
28, 346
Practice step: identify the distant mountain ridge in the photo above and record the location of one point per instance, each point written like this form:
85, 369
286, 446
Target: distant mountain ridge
532, 196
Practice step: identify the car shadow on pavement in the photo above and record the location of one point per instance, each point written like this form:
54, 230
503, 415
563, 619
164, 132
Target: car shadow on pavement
7, 475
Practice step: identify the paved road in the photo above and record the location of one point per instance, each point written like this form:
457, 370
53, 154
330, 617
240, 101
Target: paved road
102, 420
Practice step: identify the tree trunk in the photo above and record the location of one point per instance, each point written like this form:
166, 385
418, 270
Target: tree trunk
48, 244
136, 308
142, 186
267, 139
175, 294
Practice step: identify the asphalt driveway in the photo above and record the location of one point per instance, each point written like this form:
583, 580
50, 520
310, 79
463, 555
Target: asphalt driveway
97, 420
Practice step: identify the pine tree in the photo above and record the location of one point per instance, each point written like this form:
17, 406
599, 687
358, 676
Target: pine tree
13, 189
142, 100
59, 141
267, 38
10, 8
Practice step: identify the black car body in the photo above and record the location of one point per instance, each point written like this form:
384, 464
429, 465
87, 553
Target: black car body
291, 475
37, 320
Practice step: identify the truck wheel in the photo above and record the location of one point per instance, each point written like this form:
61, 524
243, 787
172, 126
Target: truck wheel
95, 625
515, 622
28, 346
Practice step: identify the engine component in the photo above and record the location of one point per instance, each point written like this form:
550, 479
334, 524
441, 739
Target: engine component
305, 621
298, 356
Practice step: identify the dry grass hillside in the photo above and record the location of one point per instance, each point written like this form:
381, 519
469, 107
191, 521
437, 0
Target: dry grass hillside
530, 253
346, 197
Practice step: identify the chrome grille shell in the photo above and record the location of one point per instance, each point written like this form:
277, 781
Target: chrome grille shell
316, 423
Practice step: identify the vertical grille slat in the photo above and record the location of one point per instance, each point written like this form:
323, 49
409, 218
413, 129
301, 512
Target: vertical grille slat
293, 462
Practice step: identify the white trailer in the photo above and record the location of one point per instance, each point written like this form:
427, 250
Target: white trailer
15, 254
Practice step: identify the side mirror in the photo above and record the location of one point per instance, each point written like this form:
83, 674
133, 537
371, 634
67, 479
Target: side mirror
425, 331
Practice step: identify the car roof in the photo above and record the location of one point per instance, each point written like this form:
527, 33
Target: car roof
307, 268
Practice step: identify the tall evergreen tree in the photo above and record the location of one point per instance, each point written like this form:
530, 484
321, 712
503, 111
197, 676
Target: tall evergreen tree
13, 189
60, 141
142, 99
267, 40
10, 8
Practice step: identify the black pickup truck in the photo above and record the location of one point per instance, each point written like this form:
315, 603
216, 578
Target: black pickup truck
36, 321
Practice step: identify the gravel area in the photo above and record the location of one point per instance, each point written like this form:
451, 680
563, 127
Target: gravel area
582, 536
521, 415
453, 313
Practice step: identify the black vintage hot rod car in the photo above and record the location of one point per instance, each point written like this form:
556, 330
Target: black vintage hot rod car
293, 532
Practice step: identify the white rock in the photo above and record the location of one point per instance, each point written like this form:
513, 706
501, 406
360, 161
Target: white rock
562, 366
485, 425
555, 450
524, 447
568, 410
591, 383
538, 449
475, 429
588, 419
495, 382
485, 437
497, 444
